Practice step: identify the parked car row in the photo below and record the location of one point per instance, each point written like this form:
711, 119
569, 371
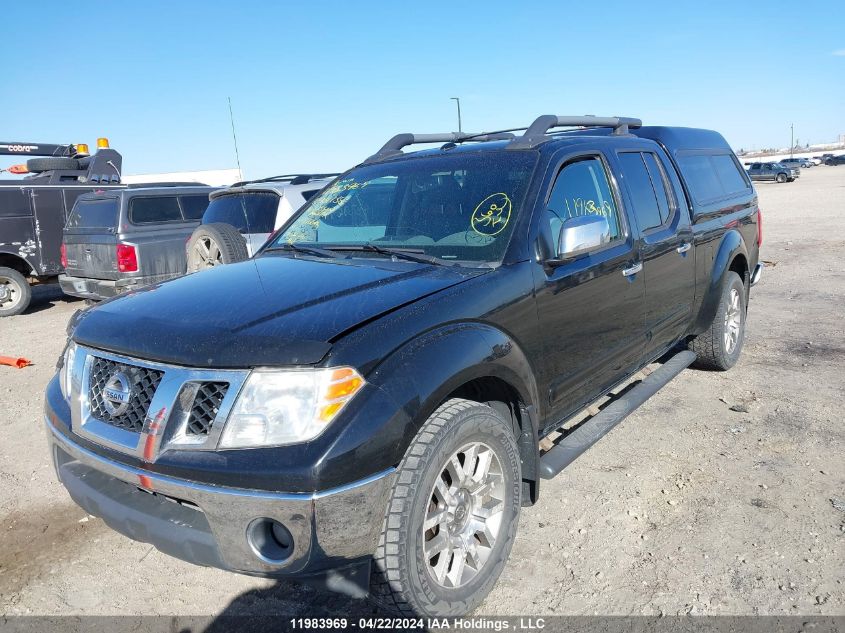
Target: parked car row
117, 241
72, 221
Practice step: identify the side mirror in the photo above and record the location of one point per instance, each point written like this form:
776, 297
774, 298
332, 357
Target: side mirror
581, 234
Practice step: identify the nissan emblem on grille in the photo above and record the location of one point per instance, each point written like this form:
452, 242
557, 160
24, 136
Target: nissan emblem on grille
117, 393
121, 393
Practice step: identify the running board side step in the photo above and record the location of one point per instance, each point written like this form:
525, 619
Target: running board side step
591, 431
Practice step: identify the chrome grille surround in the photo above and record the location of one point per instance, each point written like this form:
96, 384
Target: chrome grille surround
167, 418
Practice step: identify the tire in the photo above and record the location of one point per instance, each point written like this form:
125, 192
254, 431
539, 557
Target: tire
711, 347
215, 244
15, 293
405, 580
51, 162
781, 178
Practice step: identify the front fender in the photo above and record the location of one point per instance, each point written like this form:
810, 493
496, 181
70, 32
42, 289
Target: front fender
421, 373
728, 249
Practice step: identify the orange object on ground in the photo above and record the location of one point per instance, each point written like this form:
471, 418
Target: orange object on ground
20, 363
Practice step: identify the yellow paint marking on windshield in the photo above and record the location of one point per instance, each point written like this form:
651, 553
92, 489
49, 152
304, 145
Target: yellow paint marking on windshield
328, 201
492, 214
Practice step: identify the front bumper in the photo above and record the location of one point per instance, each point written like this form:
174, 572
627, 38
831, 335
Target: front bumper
209, 525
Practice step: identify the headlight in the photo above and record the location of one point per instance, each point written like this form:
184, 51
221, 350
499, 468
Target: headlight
288, 407
65, 373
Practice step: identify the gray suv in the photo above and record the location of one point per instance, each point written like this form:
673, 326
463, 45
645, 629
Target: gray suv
121, 240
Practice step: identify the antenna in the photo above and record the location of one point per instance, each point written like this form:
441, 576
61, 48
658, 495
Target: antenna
235, 138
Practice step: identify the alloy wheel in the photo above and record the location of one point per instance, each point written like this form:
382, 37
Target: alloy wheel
464, 515
733, 321
207, 253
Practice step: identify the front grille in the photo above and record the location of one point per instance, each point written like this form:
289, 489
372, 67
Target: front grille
143, 384
206, 406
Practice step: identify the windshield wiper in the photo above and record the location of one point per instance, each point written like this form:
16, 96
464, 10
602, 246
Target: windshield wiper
299, 248
414, 255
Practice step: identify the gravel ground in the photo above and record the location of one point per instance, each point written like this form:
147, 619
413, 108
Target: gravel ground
724, 494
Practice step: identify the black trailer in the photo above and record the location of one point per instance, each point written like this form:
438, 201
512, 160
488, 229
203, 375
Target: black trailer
33, 211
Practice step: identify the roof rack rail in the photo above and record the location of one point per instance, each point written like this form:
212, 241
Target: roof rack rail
394, 145
294, 179
537, 131
150, 185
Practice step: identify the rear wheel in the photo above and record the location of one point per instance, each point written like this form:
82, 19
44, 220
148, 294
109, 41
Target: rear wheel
15, 293
215, 244
719, 346
452, 516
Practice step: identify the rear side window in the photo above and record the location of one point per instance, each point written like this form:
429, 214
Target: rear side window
729, 173
193, 206
710, 177
665, 201
154, 210
646, 208
247, 212
94, 214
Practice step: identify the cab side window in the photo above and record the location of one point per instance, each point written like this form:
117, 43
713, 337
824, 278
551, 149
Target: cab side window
581, 189
647, 188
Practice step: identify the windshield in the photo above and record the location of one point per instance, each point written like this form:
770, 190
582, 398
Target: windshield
461, 207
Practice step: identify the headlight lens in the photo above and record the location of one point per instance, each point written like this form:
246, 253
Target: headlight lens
66, 373
288, 407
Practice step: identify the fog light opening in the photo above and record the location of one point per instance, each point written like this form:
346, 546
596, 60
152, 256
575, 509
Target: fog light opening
270, 541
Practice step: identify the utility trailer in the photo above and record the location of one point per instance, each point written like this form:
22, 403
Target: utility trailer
33, 210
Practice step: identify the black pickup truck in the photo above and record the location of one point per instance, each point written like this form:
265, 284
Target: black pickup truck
362, 403
34, 209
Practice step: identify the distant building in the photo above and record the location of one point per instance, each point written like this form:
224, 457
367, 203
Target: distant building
213, 177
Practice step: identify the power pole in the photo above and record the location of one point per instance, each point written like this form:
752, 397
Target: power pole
457, 100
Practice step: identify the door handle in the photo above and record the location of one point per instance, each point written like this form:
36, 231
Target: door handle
683, 248
633, 270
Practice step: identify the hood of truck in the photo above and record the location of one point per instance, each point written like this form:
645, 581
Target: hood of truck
275, 310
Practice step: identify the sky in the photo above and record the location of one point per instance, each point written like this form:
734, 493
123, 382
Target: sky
321, 85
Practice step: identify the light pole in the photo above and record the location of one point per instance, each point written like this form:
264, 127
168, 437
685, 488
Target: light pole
457, 100
791, 139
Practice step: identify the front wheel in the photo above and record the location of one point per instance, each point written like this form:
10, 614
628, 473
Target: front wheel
720, 345
781, 178
452, 516
15, 293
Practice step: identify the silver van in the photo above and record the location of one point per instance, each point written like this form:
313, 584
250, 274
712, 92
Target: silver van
121, 240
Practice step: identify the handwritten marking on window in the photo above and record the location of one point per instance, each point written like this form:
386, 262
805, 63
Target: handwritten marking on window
580, 206
492, 214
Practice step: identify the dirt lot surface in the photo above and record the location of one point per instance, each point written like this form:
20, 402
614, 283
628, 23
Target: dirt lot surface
724, 494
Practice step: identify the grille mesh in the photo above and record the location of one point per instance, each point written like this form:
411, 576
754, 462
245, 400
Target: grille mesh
144, 382
206, 405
